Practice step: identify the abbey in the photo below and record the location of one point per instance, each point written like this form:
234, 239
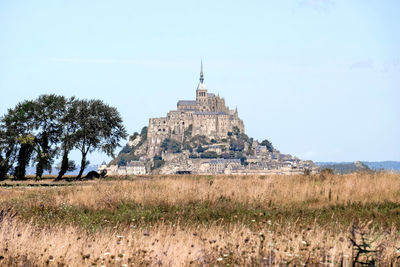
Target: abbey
201, 136
207, 115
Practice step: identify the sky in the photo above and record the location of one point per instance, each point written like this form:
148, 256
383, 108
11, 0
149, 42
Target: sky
319, 78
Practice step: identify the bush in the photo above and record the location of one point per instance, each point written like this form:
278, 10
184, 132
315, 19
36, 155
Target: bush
122, 162
200, 149
209, 155
171, 146
92, 174
158, 164
268, 144
103, 173
126, 149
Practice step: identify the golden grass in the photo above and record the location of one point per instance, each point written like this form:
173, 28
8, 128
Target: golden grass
168, 245
172, 243
262, 190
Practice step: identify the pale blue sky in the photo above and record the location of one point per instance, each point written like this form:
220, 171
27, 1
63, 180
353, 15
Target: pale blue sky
319, 78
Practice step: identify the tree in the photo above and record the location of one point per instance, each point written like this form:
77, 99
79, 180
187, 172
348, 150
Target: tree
171, 146
16, 141
68, 137
8, 149
209, 155
236, 145
48, 122
99, 128
7, 153
200, 149
24, 155
268, 144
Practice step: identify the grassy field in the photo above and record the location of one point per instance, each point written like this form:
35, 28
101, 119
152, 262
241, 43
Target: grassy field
202, 220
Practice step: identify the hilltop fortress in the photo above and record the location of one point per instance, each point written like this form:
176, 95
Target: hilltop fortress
201, 136
207, 115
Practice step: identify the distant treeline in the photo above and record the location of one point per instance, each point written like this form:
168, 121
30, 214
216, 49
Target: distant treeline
51, 126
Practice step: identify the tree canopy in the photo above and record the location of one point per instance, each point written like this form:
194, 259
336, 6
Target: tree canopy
41, 130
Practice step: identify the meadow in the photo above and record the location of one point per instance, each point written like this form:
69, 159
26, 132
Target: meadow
182, 220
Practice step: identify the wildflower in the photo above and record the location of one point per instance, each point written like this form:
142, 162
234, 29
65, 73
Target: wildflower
219, 259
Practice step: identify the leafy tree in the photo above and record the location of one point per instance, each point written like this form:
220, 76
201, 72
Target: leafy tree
8, 148
68, 137
171, 146
16, 140
7, 153
24, 155
100, 128
143, 132
268, 144
48, 122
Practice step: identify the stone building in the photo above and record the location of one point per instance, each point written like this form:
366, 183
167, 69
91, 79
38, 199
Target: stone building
132, 168
207, 115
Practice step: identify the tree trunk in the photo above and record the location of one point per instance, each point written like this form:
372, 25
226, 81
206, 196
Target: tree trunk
39, 166
83, 165
64, 164
43, 155
24, 156
5, 164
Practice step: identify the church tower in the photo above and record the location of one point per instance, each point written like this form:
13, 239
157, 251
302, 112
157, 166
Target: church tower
201, 92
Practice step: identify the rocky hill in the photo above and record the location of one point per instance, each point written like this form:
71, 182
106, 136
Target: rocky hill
199, 153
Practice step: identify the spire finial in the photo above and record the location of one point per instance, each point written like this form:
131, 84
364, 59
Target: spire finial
201, 72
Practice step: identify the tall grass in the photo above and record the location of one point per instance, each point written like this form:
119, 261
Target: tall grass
203, 220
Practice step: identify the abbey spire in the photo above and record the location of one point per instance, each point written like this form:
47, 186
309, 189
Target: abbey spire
201, 73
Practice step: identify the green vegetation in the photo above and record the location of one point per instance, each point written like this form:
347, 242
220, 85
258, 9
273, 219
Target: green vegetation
206, 212
131, 153
268, 144
40, 129
171, 146
300, 220
158, 162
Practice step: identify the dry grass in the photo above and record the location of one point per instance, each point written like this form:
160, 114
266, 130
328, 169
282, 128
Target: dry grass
178, 246
281, 190
189, 220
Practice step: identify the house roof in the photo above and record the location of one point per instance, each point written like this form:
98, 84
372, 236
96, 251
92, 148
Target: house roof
187, 102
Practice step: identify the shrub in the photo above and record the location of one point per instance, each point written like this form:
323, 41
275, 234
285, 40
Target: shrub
209, 155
